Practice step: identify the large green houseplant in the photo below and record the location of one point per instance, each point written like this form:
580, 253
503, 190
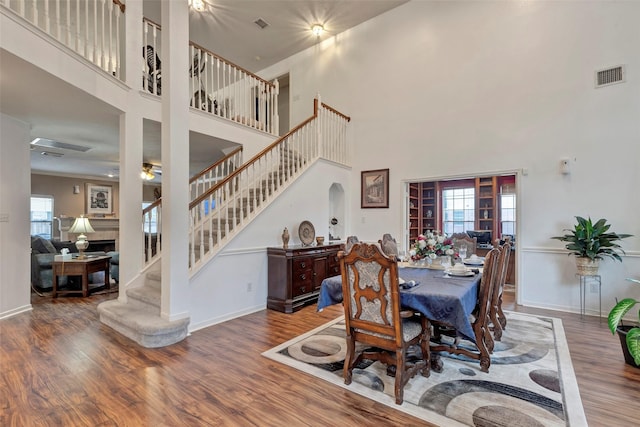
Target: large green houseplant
590, 242
629, 335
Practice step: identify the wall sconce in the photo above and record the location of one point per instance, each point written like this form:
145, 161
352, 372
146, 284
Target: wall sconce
76, 189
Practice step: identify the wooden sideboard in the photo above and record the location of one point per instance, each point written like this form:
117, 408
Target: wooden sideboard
295, 274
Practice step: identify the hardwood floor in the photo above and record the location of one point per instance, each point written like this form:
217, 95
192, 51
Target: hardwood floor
59, 366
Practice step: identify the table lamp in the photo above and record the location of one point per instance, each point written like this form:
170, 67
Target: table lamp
81, 225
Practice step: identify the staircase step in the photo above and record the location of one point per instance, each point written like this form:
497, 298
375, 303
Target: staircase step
146, 298
153, 279
147, 329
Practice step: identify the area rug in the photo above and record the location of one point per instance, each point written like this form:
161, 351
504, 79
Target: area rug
530, 382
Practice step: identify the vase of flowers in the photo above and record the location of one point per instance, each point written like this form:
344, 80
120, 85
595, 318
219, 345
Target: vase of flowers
432, 245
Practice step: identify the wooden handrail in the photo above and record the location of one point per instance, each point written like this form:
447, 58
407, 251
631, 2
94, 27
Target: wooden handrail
152, 206
231, 63
120, 5
151, 22
344, 116
204, 171
203, 196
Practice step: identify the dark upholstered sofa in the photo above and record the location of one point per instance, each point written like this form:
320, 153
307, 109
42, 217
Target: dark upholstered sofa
43, 252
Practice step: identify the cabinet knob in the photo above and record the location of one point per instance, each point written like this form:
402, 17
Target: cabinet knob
303, 276
303, 265
303, 289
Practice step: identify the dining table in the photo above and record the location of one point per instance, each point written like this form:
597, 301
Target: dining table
435, 294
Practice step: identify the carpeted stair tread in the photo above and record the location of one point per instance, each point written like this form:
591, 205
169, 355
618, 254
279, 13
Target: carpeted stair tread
148, 297
146, 328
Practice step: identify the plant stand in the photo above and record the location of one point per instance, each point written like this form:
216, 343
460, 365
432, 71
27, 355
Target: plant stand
584, 280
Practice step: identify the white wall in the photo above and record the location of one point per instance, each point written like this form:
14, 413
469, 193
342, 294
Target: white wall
438, 89
15, 243
218, 292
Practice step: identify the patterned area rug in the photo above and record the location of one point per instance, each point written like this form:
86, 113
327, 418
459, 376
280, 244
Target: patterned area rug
530, 382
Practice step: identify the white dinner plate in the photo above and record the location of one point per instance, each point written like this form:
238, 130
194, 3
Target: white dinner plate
460, 273
478, 261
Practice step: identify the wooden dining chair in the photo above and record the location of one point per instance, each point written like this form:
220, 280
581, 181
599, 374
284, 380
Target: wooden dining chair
389, 245
459, 238
484, 341
496, 315
373, 317
154, 72
351, 240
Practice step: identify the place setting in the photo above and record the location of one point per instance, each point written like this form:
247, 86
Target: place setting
460, 270
474, 261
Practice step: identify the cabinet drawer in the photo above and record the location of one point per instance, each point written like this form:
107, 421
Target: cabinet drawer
301, 265
302, 287
333, 270
333, 265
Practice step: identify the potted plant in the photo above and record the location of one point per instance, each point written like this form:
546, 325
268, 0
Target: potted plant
629, 335
590, 242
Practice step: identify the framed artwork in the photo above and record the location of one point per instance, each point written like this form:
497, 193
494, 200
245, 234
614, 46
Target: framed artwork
375, 189
99, 199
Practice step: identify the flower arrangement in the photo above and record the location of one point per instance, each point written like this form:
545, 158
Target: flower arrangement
432, 245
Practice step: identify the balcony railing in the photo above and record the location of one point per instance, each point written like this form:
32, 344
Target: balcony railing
93, 29
217, 86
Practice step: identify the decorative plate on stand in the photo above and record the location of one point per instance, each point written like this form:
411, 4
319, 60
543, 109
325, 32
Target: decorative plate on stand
307, 233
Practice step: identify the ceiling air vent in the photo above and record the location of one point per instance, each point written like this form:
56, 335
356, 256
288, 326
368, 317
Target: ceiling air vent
50, 143
261, 23
610, 76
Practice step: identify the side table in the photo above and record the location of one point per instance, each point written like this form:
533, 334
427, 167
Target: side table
584, 281
80, 267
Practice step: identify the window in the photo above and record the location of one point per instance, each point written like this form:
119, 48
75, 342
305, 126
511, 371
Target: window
150, 224
508, 214
458, 209
42, 216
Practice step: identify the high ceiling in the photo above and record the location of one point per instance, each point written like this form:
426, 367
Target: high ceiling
57, 110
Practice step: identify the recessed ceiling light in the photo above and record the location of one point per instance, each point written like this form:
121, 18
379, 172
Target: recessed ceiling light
317, 29
198, 5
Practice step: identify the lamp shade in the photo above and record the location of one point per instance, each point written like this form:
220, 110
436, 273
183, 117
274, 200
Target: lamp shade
81, 225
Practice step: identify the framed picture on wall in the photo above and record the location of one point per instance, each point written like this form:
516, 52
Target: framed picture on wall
375, 189
99, 199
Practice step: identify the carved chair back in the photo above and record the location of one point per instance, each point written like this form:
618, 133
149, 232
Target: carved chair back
371, 296
459, 238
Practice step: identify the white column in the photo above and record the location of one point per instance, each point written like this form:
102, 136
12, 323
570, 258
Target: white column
175, 158
131, 146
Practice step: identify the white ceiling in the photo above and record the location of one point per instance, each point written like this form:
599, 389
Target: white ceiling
59, 111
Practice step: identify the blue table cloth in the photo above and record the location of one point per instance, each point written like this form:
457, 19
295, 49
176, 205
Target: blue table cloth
437, 296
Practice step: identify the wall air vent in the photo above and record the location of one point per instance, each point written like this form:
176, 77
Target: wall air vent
610, 76
49, 143
261, 23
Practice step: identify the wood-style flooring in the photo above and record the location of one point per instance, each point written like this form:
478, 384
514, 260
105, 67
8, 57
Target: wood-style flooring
59, 366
